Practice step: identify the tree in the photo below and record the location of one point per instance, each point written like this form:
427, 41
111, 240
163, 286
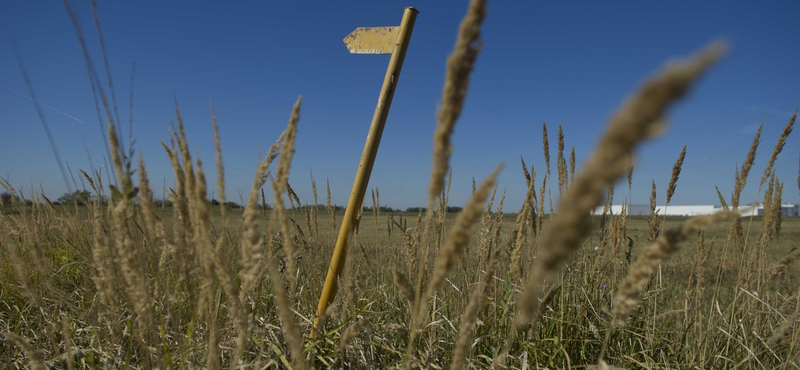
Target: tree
6, 198
383, 209
78, 196
232, 204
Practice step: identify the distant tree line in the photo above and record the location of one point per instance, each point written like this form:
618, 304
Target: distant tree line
384, 209
424, 209
84, 197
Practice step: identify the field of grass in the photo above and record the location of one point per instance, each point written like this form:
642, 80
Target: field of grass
695, 307
124, 284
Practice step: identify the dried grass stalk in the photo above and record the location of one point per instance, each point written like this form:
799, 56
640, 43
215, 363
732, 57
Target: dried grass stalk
653, 223
103, 264
250, 244
498, 219
454, 91
22, 272
638, 119
561, 164
721, 199
676, 172
767, 222
546, 148
457, 239
777, 209
778, 148
784, 330
456, 83
205, 250
263, 203
291, 330
316, 204
350, 334
136, 282
406, 289
331, 209
540, 211
374, 211
280, 185
790, 257
148, 207
220, 167
524, 172
572, 165
468, 319
459, 235
520, 231
485, 236
630, 176
741, 175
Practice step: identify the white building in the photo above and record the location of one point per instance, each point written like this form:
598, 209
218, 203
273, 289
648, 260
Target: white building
788, 210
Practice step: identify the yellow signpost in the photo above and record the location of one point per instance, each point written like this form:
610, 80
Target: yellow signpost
368, 40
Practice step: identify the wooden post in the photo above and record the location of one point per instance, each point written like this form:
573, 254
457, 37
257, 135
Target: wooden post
373, 40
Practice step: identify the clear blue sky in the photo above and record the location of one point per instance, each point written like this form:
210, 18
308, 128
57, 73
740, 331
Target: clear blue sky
564, 62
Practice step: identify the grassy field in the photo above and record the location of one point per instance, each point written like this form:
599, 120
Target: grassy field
121, 283
697, 304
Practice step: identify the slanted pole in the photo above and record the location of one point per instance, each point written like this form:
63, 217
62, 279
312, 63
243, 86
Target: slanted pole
378, 40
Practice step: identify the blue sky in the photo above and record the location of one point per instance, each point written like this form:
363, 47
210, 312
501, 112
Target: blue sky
570, 63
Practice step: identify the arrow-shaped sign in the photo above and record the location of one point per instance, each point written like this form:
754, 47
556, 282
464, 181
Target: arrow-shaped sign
372, 40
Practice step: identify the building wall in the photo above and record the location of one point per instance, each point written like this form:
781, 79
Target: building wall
787, 210
790, 210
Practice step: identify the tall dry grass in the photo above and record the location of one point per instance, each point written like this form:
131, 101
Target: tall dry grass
120, 283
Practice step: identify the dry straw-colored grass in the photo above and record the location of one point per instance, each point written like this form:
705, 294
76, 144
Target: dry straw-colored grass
638, 119
676, 172
778, 149
121, 283
456, 82
640, 272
